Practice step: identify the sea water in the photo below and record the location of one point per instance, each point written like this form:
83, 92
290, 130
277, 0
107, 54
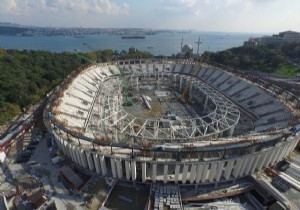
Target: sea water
158, 44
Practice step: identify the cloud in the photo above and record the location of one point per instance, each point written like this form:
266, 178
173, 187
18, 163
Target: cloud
22, 7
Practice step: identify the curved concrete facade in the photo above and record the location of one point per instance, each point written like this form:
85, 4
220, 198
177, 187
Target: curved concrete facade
185, 171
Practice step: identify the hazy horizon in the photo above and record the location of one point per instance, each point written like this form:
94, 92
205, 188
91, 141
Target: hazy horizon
231, 16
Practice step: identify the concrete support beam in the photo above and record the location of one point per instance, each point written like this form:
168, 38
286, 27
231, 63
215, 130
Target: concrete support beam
249, 165
103, 165
119, 168
143, 171
212, 172
177, 169
261, 161
133, 170
165, 173
90, 160
128, 169
184, 173
193, 173
276, 156
65, 146
228, 169
219, 170
255, 163
204, 174
77, 155
97, 163
83, 158
244, 164
71, 152
199, 173
237, 167
154, 169
270, 158
113, 167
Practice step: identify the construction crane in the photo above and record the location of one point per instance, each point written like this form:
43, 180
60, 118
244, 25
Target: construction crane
92, 49
128, 100
198, 43
187, 87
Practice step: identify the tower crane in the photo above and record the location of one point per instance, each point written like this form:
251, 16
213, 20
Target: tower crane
92, 49
198, 43
186, 88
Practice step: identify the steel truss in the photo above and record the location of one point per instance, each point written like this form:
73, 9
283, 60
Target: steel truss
112, 117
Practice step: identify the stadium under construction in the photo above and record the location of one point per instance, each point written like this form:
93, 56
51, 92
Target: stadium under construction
171, 121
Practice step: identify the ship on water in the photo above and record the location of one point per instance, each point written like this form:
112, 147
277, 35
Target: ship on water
133, 37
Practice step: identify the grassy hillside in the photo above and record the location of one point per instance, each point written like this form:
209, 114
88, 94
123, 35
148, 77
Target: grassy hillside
256, 58
26, 76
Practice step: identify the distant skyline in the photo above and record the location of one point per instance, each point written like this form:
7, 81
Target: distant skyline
257, 16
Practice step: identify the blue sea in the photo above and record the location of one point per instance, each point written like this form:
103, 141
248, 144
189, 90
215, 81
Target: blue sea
159, 44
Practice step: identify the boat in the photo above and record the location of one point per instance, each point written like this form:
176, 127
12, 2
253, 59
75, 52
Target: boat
150, 47
133, 37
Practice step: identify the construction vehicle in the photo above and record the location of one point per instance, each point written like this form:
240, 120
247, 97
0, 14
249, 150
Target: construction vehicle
187, 87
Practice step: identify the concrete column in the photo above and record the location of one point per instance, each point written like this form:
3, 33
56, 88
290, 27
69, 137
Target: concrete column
78, 155
90, 160
219, 170
261, 161
199, 173
287, 150
113, 167
154, 168
165, 173
127, 168
270, 158
97, 163
204, 174
71, 152
74, 152
177, 169
193, 173
237, 167
283, 151
103, 165
291, 148
228, 169
58, 141
119, 168
255, 163
212, 171
184, 173
133, 170
144, 171
276, 156
137, 83
65, 148
83, 158
249, 165
244, 164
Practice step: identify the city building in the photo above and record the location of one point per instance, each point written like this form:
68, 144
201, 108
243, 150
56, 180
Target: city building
275, 40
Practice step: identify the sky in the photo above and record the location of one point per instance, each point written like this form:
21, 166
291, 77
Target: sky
258, 16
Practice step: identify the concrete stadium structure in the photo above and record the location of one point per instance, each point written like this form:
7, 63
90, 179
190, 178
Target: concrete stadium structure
236, 125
